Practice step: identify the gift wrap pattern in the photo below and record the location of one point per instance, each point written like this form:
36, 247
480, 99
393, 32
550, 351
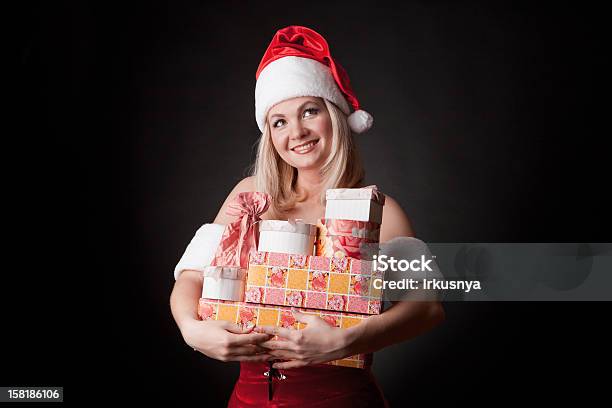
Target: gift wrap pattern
340, 284
265, 315
350, 238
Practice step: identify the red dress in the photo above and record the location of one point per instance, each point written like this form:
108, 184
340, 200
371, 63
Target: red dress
317, 386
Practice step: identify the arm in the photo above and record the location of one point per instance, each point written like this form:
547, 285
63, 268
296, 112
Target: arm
403, 320
320, 343
221, 340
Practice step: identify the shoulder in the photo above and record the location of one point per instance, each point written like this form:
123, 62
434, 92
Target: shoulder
244, 185
395, 222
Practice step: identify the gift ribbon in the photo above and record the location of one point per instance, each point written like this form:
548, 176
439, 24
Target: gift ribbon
364, 233
379, 197
296, 225
224, 282
349, 193
350, 228
224, 272
240, 237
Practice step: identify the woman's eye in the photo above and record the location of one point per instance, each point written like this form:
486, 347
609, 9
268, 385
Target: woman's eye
313, 110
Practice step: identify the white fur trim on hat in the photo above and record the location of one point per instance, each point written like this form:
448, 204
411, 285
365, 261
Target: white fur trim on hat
291, 77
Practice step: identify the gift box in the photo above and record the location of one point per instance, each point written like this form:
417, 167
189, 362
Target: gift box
288, 237
359, 204
266, 315
224, 277
313, 282
356, 239
224, 282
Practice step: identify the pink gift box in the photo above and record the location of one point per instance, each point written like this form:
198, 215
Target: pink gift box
341, 284
265, 315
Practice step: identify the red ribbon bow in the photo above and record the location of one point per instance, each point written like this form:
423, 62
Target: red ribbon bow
240, 237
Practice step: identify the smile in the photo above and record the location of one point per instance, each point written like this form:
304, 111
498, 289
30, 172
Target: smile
305, 147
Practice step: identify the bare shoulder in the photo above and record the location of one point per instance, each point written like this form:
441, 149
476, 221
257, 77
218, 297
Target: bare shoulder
244, 185
395, 222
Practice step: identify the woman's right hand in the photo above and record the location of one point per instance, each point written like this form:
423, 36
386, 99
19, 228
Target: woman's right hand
225, 341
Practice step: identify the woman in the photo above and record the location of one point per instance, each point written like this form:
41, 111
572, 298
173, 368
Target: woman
303, 100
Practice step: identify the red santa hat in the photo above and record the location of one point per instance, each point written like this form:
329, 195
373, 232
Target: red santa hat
298, 63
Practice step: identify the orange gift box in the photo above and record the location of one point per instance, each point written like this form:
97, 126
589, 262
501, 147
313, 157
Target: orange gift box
264, 315
340, 284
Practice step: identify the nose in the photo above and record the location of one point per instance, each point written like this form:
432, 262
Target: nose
298, 130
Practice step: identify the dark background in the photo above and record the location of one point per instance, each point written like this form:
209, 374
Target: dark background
134, 122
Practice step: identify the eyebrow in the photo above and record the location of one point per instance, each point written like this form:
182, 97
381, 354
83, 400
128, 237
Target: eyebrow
280, 115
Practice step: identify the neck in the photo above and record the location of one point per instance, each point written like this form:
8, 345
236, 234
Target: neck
309, 182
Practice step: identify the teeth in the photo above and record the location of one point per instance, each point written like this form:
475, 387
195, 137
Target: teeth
303, 148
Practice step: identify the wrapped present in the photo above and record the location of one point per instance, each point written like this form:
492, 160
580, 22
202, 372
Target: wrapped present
287, 237
240, 236
265, 315
356, 239
359, 204
224, 277
313, 282
224, 282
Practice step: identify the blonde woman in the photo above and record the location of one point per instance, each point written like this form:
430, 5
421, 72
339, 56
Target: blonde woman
303, 108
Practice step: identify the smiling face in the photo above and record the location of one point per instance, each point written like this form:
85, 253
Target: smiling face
301, 131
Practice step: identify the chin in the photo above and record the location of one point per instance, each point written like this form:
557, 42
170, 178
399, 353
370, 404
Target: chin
308, 165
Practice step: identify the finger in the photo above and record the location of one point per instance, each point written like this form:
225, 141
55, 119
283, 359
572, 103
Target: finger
243, 351
278, 345
258, 358
289, 364
238, 328
251, 338
260, 349
255, 348
303, 317
277, 331
285, 354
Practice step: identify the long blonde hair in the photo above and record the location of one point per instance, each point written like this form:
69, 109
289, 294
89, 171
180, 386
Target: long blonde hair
343, 168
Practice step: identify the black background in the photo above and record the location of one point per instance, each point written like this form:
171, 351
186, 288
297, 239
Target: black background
134, 122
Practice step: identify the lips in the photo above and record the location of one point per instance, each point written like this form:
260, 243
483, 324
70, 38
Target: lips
305, 147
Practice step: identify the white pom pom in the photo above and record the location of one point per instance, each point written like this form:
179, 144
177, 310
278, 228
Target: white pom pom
360, 121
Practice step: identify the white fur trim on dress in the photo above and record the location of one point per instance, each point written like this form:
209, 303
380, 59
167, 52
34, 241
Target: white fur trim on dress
201, 249
290, 77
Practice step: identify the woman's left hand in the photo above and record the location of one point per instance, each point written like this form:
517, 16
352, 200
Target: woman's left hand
317, 343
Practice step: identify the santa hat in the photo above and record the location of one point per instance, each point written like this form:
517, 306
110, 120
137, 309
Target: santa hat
298, 63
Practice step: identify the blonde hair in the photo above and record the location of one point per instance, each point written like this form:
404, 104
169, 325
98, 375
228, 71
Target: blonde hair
343, 168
